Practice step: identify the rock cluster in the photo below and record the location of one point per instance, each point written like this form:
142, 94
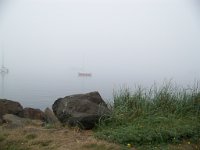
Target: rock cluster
15, 115
82, 110
9, 107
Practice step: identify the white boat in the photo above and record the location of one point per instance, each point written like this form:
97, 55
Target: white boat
84, 74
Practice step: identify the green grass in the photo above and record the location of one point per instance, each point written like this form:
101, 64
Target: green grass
49, 126
95, 146
159, 115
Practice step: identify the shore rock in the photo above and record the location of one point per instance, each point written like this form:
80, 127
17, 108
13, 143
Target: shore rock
9, 107
13, 121
83, 110
33, 113
50, 117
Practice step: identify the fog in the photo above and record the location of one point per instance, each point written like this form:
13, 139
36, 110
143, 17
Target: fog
121, 42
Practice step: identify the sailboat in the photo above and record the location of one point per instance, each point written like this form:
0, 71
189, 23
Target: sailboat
84, 74
3, 69
3, 72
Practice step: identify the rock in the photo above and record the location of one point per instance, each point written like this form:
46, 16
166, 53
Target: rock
13, 121
9, 107
32, 113
84, 122
83, 110
50, 117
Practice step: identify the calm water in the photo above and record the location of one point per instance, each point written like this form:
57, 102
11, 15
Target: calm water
42, 92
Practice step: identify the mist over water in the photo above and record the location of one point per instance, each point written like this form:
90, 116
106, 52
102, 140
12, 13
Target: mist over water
47, 43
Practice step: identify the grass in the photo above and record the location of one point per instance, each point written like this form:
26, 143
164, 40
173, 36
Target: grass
13, 144
2, 137
42, 143
31, 136
49, 126
165, 115
40, 138
95, 146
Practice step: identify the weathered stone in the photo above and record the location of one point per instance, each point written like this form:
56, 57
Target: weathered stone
83, 110
50, 117
84, 122
32, 113
9, 107
13, 121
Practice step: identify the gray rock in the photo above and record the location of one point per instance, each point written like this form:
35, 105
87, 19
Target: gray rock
9, 107
50, 117
83, 110
13, 121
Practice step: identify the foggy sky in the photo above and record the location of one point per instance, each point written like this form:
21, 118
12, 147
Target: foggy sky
47, 42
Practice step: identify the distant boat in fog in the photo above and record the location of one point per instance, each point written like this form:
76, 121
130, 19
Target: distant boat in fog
3, 69
3, 72
84, 74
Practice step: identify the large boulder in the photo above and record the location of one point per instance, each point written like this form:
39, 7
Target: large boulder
50, 117
83, 110
32, 113
9, 107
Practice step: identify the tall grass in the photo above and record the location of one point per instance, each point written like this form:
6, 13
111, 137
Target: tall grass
165, 114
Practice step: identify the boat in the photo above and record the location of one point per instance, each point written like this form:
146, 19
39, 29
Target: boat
84, 74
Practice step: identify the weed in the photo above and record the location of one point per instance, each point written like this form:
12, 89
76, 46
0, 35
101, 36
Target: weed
165, 114
49, 126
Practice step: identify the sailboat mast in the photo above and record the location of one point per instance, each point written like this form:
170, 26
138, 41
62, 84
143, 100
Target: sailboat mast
2, 50
3, 72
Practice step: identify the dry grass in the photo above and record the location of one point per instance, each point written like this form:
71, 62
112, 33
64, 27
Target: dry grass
38, 138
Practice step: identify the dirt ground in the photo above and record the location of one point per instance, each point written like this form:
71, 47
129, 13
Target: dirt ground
38, 138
